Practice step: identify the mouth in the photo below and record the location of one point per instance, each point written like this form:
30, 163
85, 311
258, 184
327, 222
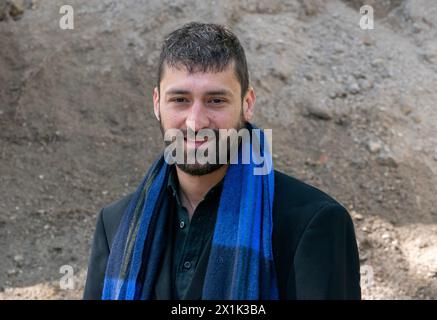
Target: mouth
196, 143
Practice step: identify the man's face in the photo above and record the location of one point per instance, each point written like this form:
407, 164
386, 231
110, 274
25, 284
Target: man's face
201, 101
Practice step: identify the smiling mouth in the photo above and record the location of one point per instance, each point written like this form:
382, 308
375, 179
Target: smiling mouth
196, 143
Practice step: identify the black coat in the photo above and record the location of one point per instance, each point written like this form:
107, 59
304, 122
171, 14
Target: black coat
314, 246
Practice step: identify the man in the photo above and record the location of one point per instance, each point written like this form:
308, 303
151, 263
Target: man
218, 230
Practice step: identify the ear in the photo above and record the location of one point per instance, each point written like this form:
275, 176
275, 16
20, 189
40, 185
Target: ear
249, 104
156, 103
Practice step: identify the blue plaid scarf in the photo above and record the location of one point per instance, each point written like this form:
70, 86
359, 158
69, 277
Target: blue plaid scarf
240, 265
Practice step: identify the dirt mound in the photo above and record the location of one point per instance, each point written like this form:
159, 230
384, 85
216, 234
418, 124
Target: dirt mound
353, 112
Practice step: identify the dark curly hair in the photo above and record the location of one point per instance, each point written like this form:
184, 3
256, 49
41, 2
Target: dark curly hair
204, 47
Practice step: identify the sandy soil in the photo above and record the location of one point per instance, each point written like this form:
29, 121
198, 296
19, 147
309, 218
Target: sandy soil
353, 112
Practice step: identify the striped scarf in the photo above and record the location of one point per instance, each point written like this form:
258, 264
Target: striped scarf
240, 265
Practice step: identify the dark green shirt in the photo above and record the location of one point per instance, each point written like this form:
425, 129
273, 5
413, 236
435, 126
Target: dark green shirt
191, 239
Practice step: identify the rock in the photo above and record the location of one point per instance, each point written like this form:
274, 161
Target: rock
312, 7
366, 84
319, 111
364, 256
16, 8
321, 160
376, 63
417, 119
359, 217
18, 258
374, 146
406, 108
356, 215
359, 74
385, 74
386, 158
339, 48
56, 249
339, 93
353, 88
385, 236
12, 272
421, 243
406, 104
367, 40
309, 77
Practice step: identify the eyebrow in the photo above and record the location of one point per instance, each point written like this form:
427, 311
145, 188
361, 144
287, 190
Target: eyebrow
223, 92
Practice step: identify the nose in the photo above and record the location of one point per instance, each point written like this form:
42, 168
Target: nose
197, 118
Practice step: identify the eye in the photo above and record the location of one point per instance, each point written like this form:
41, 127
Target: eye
216, 101
179, 100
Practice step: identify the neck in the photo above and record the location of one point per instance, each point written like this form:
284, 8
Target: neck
194, 188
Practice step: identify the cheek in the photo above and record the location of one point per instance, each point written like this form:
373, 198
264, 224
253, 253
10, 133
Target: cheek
172, 119
225, 120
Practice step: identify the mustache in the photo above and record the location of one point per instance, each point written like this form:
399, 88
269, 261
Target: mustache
194, 133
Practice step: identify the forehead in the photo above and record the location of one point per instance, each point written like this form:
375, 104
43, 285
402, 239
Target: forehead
180, 79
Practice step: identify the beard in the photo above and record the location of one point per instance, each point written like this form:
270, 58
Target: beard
199, 169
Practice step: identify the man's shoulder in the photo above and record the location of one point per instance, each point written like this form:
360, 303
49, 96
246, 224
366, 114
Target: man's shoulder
296, 193
112, 214
296, 203
312, 232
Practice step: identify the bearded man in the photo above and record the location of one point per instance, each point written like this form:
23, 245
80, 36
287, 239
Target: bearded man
218, 229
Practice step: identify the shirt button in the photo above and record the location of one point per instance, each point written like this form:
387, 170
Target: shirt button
187, 264
182, 224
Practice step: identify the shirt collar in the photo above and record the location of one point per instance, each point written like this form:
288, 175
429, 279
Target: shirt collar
173, 186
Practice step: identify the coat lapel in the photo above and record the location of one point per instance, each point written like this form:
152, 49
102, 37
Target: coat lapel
163, 284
